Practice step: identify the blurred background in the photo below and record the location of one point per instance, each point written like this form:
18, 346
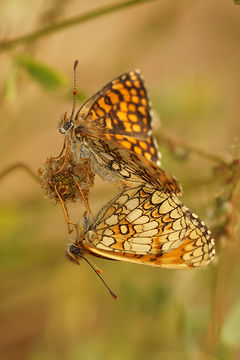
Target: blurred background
189, 54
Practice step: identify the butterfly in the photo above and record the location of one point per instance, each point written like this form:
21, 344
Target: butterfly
144, 225
113, 130
121, 113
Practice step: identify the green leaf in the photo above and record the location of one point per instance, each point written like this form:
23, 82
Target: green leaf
231, 329
10, 89
46, 76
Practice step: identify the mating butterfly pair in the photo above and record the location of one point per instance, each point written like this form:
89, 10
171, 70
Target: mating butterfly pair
145, 223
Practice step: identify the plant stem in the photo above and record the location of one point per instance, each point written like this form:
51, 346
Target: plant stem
22, 166
163, 137
5, 45
223, 272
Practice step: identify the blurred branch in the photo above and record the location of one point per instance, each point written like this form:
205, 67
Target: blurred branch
5, 45
173, 144
22, 166
226, 230
226, 202
235, 178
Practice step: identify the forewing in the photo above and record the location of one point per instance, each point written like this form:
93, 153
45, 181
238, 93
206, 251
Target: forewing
120, 112
143, 225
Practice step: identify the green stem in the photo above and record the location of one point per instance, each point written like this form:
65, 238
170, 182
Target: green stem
5, 45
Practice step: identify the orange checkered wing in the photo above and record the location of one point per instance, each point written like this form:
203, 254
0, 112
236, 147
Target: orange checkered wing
113, 130
120, 112
144, 225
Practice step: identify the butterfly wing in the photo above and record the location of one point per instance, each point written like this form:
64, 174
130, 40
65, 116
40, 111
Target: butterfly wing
120, 112
144, 225
115, 163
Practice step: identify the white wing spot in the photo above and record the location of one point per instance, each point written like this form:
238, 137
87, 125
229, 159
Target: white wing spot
141, 240
173, 236
177, 224
115, 166
112, 220
187, 256
150, 225
125, 173
107, 240
102, 246
124, 229
174, 214
152, 232
199, 242
156, 198
165, 207
108, 232
133, 215
141, 220
132, 204
122, 199
205, 248
126, 246
139, 248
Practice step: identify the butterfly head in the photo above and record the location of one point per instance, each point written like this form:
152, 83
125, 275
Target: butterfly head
74, 253
66, 125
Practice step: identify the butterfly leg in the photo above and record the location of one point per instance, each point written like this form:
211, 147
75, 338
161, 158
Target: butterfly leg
65, 159
65, 211
85, 200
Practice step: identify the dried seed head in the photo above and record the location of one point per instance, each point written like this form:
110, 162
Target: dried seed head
64, 181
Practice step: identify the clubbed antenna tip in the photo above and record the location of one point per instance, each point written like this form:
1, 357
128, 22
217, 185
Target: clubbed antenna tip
75, 65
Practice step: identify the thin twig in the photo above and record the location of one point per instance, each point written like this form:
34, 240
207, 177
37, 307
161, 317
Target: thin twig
22, 166
5, 45
163, 137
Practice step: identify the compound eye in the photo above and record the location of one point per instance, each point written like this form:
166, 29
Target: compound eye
66, 127
73, 249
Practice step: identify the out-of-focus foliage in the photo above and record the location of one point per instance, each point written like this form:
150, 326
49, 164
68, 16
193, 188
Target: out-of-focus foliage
230, 331
51, 309
48, 77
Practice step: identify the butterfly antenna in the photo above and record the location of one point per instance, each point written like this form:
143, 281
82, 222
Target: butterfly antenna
110, 291
74, 88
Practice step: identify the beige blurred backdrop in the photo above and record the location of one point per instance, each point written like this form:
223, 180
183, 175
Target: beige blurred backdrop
189, 54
